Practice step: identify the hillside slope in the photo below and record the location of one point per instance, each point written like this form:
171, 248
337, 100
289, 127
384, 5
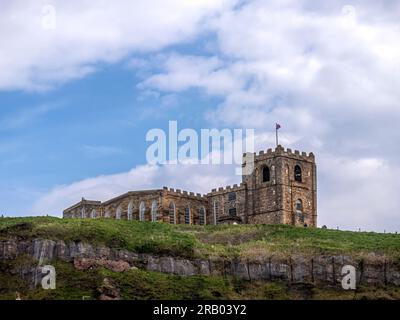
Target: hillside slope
152, 260
229, 241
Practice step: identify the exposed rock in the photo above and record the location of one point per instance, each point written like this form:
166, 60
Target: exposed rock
320, 269
43, 249
9, 249
85, 264
61, 250
203, 267
109, 290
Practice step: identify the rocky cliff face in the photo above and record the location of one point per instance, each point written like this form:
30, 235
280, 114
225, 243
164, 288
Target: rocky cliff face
319, 270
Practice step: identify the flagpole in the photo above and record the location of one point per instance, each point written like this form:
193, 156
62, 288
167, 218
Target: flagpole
276, 135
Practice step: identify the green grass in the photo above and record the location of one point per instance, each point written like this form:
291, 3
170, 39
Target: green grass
247, 241
71, 284
137, 284
157, 238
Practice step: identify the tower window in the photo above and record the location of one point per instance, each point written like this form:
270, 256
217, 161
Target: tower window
231, 196
299, 206
299, 211
232, 212
266, 174
297, 173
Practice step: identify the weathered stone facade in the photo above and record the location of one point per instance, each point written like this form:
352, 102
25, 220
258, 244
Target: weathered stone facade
282, 189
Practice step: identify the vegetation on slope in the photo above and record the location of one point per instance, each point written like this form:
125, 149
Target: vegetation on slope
75, 284
248, 241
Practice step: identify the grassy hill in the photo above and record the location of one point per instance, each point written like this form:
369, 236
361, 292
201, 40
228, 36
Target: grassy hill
229, 241
238, 241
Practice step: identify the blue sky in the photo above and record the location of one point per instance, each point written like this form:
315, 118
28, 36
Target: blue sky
81, 85
92, 126
74, 125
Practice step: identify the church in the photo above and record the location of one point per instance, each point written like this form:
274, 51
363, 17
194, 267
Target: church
281, 189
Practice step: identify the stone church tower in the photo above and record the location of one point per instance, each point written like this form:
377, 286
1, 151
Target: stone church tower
282, 188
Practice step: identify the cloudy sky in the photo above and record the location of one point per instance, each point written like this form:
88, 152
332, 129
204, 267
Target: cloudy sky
81, 85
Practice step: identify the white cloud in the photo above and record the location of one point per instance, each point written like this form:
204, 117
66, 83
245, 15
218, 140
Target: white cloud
274, 56
189, 174
33, 57
184, 72
193, 178
359, 193
330, 78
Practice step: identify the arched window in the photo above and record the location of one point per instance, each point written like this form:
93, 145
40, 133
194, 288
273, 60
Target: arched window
83, 213
299, 206
142, 209
202, 216
107, 214
93, 214
118, 213
297, 173
216, 210
130, 210
172, 213
231, 196
266, 174
299, 211
154, 206
187, 215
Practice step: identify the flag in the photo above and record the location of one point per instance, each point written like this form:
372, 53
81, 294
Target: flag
277, 126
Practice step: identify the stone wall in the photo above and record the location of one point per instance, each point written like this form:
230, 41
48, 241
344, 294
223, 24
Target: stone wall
293, 190
134, 200
274, 201
84, 209
219, 200
181, 200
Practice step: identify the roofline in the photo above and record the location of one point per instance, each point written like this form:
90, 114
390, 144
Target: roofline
132, 193
95, 202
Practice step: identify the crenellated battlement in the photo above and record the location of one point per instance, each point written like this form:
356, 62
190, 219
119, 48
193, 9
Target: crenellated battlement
279, 151
222, 190
187, 194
